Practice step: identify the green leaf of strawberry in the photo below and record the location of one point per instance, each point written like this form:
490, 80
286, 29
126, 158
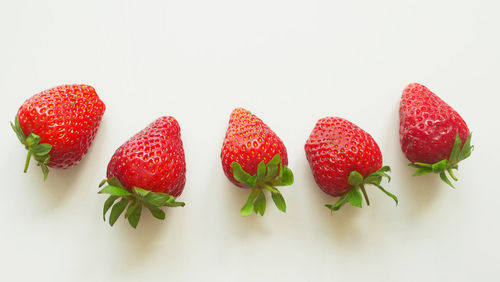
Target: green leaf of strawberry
354, 196
173, 204
261, 170
115, 190
247, 209
442, 167
157, 199
466, 150
239, 174
113, 181
387, 193
455, 152
266, 178
274, 168
107, 205
156, 212
135, 200
117, 210
260, 204
19, 132
133, 213
142, 193
287, 177
338, 204
279, 201
40, 151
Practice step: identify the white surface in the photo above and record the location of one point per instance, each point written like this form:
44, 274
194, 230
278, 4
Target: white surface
289, 62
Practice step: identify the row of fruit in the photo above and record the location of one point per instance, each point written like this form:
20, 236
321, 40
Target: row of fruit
58, 125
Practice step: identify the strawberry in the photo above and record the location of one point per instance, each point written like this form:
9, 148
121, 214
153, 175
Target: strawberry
344, 158
148, 170
254, 157
57, 126
432, 133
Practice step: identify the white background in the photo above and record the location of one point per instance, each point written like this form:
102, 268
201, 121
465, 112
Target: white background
290, 63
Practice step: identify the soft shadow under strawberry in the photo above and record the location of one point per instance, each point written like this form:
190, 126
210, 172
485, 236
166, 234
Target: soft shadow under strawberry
243, 226
422, 192
136, 247
57, 189
343, 225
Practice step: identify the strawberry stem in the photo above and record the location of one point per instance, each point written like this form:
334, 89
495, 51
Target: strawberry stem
28, 158
362, 187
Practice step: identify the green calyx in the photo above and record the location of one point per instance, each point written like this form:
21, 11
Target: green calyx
39, 151
268, 176
134, 200
458, 153
355, 195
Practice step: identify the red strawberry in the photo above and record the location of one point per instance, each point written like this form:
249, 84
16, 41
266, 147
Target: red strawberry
432, 133
149, 169
57, 126
343, 159
253, 156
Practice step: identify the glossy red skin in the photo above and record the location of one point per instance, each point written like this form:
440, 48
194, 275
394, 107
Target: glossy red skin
153, 159
249, 141
335, 148
428, 125
67, 117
